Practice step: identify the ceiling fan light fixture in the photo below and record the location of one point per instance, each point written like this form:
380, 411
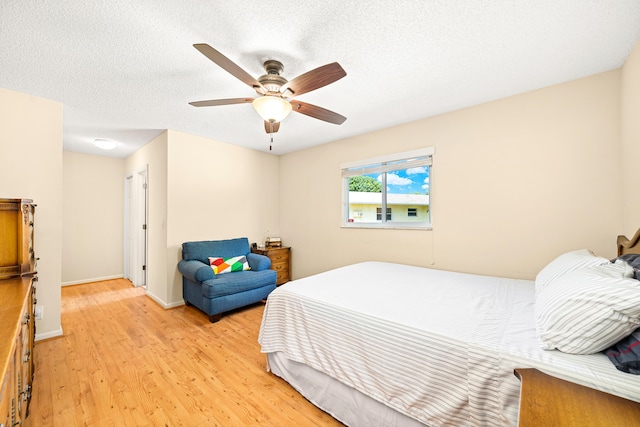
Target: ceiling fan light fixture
272, 108
105, 144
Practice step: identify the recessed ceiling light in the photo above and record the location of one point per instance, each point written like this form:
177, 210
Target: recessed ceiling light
105, 144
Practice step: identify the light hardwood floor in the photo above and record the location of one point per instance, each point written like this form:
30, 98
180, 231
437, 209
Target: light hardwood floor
125, 361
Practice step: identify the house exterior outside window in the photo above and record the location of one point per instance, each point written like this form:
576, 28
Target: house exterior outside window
379, 214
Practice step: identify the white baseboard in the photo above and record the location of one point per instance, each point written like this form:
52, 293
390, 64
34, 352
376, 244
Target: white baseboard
51, 334
174, 304
163, 304
95, 279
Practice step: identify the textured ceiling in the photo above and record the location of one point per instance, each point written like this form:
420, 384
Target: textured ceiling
126, 70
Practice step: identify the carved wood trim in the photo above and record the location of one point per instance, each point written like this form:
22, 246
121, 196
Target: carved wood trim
26, 209
629, 246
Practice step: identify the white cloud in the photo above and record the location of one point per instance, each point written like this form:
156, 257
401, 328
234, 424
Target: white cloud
413, 171
426, 183
393, 179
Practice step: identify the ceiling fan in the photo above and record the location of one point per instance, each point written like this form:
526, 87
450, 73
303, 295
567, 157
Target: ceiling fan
273, 102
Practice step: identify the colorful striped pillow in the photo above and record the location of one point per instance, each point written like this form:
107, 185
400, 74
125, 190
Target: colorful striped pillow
228, 265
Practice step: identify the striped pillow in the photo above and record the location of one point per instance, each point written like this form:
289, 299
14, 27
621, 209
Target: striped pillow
228, 265
587, 310
566, 263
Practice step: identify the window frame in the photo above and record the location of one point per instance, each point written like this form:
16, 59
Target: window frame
375, 164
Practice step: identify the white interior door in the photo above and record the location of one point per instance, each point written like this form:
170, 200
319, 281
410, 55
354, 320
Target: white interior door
136, 228
128, 220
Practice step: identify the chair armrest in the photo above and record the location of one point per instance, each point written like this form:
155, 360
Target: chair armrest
258, 262
195, 270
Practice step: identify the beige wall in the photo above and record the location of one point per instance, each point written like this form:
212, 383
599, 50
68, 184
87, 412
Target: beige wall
31, 153
216, 191
154, 156
630, 136
93, 218
515, 182
201, 189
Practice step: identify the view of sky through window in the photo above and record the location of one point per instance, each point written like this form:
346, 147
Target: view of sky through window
406, 181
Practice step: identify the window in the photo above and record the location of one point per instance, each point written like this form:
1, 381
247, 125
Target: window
398, 183
379, 214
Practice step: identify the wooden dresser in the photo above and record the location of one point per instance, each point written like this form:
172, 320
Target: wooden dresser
280, 261
552, 402
17, 308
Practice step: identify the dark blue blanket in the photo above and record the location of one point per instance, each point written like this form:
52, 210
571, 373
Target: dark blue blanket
625, 354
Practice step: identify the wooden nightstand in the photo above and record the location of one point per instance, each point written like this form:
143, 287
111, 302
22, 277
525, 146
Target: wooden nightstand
550, 401
280, 261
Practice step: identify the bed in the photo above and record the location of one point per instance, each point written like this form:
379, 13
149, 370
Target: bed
377, 343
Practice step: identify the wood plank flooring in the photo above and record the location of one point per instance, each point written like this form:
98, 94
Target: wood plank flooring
125, 361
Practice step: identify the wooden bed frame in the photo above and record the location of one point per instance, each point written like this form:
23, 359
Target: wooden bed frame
629, 246
545, 400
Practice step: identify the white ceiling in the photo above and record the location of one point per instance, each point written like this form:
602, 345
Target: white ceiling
126, 70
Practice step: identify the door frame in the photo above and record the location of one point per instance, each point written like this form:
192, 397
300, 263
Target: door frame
136, 230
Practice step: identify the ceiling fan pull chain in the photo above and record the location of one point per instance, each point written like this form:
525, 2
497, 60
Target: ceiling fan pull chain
271, 135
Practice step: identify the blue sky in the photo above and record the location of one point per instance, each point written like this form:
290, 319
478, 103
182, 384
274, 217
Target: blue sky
407, 181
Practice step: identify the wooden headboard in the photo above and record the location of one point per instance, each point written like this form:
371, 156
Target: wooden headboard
629, 246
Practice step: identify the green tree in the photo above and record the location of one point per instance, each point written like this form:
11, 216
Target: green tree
365, 184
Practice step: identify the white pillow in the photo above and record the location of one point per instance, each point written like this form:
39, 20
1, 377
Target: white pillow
565, 263
587, 310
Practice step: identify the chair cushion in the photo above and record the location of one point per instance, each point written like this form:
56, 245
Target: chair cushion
240, 281
202, 250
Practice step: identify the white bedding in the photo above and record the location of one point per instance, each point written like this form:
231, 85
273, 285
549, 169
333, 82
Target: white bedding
439, 347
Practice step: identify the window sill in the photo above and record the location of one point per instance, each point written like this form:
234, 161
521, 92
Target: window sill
399, 226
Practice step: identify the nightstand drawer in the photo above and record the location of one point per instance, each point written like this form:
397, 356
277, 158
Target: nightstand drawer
279, 257
283, 273
280, 261
279, 266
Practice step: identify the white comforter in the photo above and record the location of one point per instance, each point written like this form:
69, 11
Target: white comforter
437, 346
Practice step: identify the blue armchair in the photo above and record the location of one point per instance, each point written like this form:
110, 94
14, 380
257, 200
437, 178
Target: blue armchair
217, 293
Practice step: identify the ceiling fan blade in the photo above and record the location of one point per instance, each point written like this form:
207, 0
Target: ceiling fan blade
215, 102
314, 79
229, 66
317, 112
269, 129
